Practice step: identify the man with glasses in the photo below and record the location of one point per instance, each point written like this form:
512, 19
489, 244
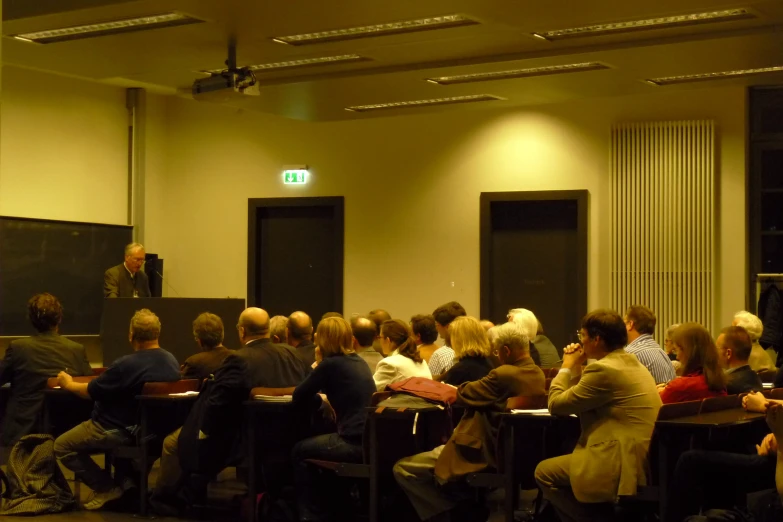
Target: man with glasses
127, 279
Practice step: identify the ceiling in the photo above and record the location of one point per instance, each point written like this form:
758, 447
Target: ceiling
168, 60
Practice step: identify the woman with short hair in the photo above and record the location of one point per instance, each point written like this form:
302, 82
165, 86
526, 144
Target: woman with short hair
403, 359
472, 351
702, 377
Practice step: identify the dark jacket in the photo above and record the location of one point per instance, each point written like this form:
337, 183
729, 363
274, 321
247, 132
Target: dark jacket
306, 351
203, 364
117, 282
218, 412
549, 354
471, 447
771, 315
743, 380
28, 363
468, 369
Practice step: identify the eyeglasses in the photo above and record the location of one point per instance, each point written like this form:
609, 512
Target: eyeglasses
581, 337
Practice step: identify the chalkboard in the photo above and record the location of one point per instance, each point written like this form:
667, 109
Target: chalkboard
66, 259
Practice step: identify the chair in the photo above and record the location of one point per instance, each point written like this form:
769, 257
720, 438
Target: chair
775, 394
99, 370
547, 383
679, 409
728, 402
767, 375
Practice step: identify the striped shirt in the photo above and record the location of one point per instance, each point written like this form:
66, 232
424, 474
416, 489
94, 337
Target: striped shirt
441, 360
653, 358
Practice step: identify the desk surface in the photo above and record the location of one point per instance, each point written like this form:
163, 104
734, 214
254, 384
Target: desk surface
713, 419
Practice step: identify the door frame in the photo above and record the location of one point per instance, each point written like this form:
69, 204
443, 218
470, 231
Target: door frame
255, 204
485, 263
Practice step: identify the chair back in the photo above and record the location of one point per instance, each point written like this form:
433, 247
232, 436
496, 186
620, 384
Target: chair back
728, 402
767, 375
167, 388
547, 383
679, 409
775, 393
527, 402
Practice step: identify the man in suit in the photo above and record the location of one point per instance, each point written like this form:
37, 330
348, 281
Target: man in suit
364, 333
277, 329
617, 403
29, 362
211, 436
127, 279
423, 476
734, 347
208, 331
299, 334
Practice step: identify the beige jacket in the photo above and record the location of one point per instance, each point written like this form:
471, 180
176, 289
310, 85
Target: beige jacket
617, 403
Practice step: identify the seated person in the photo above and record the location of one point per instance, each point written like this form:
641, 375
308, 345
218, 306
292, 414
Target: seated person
545, 343
115, 414
212, 434
346, 381
702, 376
733, 352
640, 322
668, 347
364, 333
426, 333
443, 358
299, 334
208, 331
759, 359
277, 326
617, 404
471, 351
423, 476
402, 357
29, 362
546, 355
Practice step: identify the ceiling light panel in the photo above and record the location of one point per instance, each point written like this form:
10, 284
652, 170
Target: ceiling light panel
648, 24
305, 62
425, 103
671, 80
519, 73
369, 31
127, 25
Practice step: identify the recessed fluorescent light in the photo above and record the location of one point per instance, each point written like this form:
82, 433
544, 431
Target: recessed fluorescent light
293, 64
367, 31
425, 103
519, 73
647, 24
669, 80
126, 25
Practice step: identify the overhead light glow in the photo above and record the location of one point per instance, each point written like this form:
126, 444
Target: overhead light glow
670, 80
306, 62
647, 24
425, 103
519, 73
127, 25
367, 31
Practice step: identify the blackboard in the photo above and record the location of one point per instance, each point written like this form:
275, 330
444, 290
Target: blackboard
66, 259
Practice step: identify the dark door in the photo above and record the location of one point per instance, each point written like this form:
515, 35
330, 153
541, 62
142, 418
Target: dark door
295, 255
534, 256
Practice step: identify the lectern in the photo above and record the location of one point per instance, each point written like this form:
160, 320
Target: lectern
176, 318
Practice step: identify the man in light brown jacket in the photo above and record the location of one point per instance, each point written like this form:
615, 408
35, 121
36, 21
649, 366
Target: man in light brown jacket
432, 480
617, 404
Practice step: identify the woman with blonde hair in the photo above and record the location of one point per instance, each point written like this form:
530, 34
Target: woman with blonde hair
403, 359
702, 376
472, 351
345, 379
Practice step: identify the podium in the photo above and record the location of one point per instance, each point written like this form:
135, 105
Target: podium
176, 319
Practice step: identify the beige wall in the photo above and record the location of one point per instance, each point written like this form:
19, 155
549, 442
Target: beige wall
412, 188
64, 151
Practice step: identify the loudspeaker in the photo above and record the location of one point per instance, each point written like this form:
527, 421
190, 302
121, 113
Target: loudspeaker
153, 267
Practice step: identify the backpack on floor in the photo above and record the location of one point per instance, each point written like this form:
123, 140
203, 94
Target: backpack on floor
35, 484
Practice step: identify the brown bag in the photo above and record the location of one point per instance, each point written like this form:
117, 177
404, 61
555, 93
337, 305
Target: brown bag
469, 450
428, 389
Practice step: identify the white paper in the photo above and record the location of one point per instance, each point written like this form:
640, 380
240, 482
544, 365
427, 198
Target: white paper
274, 398
183, 394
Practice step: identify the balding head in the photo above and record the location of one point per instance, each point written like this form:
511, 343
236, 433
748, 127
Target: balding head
253, 324
364, 330
300, 329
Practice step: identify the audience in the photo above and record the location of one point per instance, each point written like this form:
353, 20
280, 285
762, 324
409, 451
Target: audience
733, 352
443, 358
640, 323
426, 333
402, 357
299, 334
277, 329
702, 376
759, 358
115, 414
29, 362
528, 321
378, 316
471, 351
364, 333
429, 478
208, 331
617, 404
211, 436
348, 385
668, 347
545, 343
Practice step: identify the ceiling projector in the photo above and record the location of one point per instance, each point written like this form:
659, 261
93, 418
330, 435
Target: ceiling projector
226, 85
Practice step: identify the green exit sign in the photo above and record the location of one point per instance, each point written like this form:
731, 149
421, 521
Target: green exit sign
295, 177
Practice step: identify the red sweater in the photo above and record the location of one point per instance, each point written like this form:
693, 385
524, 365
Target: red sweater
691, 387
